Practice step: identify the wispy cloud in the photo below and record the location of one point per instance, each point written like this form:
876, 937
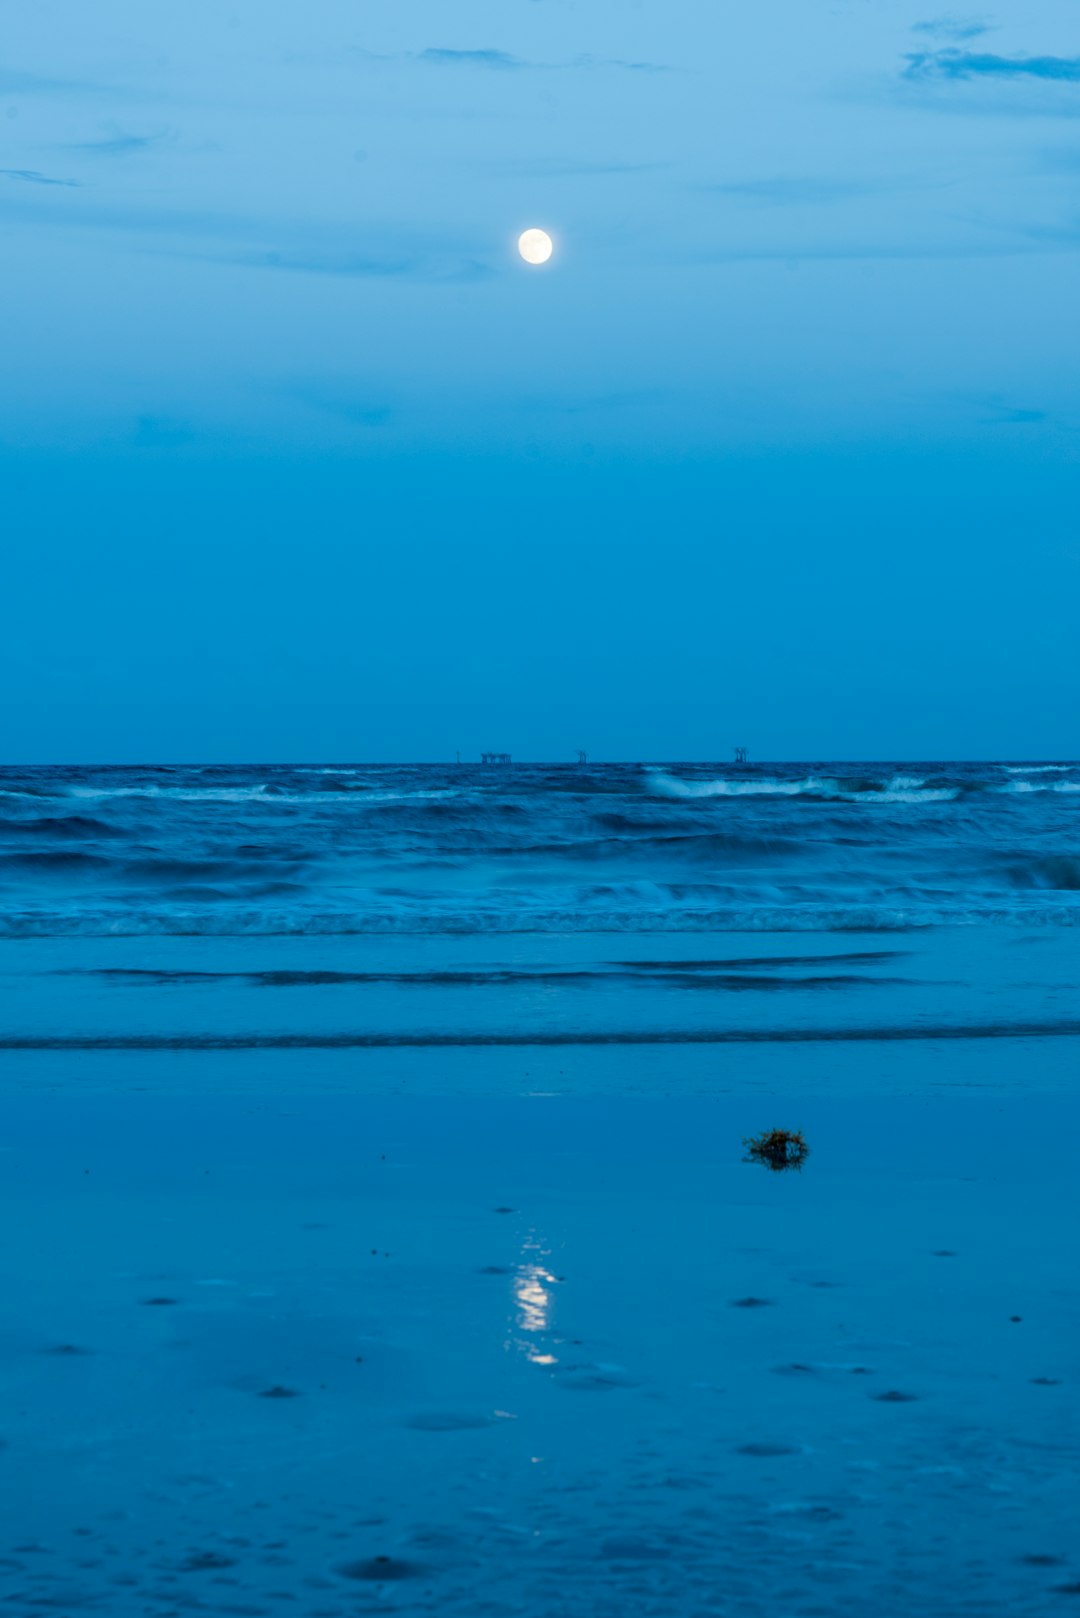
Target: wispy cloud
119, 143
307, 247
32, 177
788, 191
1032, 243
390, 265
618, 62
445, 57
1064, 236
14, 82
1012, 416
344, 402
501, 61
955, 64
950, 28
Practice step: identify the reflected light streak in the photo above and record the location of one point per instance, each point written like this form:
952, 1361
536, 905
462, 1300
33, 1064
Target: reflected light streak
532, 1294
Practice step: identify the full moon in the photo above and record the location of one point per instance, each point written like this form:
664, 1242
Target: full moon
535, 246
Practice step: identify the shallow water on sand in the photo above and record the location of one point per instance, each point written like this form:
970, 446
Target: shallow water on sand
344, 1353
536, 990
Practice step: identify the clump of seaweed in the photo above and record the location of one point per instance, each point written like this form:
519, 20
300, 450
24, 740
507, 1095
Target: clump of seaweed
778, 1149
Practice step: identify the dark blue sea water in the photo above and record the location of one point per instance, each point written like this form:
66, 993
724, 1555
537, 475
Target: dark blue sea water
623, 848
349, 906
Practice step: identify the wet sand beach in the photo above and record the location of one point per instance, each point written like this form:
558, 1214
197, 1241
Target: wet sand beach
330, 1351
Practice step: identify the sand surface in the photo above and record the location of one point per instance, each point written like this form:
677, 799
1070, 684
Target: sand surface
345, 1332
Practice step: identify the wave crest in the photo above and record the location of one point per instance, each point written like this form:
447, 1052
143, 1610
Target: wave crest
895, 789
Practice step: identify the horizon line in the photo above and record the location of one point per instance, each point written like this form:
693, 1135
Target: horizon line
529, 763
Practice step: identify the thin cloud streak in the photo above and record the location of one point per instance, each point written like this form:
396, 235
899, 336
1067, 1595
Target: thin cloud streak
388, 253
959, 65
15, 82
33, 177
214, 238
502, 60
118, 144
1020, 418
951, 28
791, 191
1037, 243
361, 266
341, 403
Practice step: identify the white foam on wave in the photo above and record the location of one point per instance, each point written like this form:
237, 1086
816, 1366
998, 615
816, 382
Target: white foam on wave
1041, 786
180, 794
1039, 769
670, 786
899, 789
892, 794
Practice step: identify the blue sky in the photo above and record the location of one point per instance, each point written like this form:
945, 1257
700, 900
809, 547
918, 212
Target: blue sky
301, 462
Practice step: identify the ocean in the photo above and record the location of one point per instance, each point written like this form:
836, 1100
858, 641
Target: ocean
622, 848
537, 904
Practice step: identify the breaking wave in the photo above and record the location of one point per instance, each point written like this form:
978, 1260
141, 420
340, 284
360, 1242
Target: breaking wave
1041, 786
1039, 769
896, 789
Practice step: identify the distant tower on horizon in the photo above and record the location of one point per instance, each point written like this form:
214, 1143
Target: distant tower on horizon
742, 755
582, 756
